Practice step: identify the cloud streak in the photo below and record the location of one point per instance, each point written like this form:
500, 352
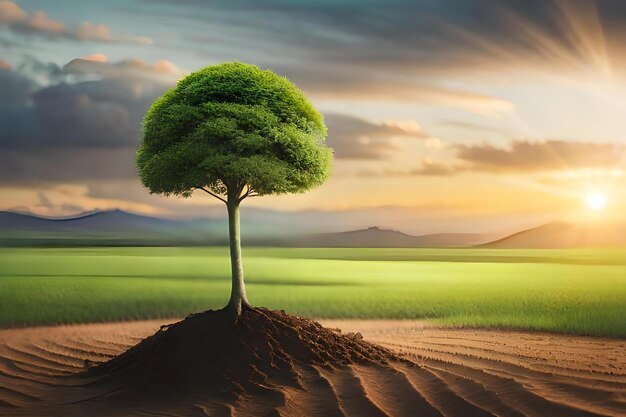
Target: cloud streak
341, 84
551, 155
38, 23
354, 138
520, 157
421, 37
408, 51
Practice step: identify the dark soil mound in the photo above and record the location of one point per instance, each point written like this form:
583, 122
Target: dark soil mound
213, 355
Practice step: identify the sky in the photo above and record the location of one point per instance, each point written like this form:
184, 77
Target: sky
444, 116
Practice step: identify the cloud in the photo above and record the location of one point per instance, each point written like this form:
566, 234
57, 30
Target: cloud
523, 156
78, 121
429, 38
474, 127
5, 66
97, 64
38, 23
340, 84
434, 169
89, 31
15, 90
426, 168
96, 58
11, 13
551, 155
409, 50
82, 120
87, 103
520, 157
68, 164
354, 138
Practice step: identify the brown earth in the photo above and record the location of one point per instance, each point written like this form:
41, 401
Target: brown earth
442, 372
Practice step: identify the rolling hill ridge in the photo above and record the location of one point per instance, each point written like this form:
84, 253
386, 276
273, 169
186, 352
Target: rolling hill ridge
561, 235
119, 228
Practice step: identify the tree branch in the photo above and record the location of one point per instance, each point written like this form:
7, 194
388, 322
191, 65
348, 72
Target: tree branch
243, 194
249, 193
214, 195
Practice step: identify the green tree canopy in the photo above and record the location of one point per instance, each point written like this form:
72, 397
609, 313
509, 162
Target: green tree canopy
233, 127
233, 131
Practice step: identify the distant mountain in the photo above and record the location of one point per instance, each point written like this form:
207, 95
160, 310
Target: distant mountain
106, 221
119, 228
565, 235
113, 227
375, 237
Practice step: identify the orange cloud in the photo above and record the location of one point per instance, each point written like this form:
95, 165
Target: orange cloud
91, 32
38, 23
165, 66
96, 58
10, 13
131, 68
552, 155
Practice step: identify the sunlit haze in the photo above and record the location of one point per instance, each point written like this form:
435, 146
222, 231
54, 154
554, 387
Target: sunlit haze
596, 201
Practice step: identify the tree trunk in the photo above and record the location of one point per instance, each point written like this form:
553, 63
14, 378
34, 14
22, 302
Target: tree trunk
238, 298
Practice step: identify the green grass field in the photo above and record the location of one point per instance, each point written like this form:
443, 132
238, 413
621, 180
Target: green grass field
574, 291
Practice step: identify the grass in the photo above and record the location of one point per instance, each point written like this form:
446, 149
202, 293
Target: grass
571, 291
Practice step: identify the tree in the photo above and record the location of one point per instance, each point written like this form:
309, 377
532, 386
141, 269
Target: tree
233, 131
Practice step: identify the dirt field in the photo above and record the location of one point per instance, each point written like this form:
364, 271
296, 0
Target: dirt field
449, 373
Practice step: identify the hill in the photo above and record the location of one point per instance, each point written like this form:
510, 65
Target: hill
105, 221
101, 228
375, 237
557, 235
121, 228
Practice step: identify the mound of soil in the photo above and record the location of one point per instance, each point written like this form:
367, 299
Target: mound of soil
213, 355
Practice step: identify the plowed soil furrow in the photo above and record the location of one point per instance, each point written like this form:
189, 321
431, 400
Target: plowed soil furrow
448, 372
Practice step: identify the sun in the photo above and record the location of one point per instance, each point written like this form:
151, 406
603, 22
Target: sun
595, 201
